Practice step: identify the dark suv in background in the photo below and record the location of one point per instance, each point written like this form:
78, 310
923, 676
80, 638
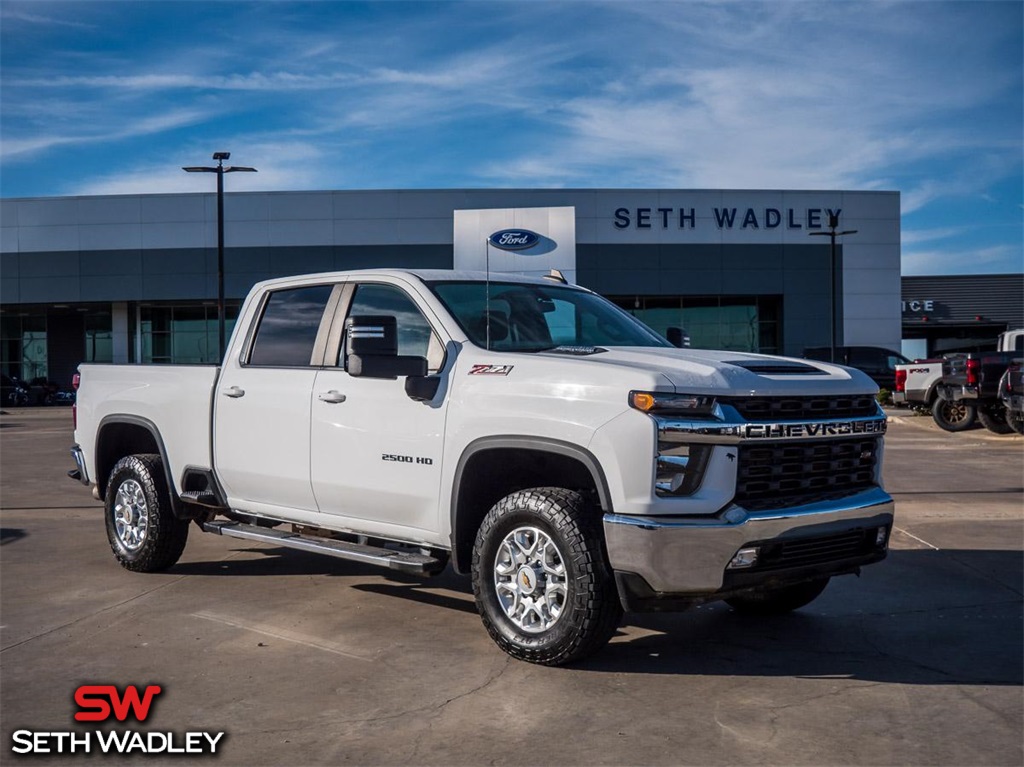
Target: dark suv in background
879, 363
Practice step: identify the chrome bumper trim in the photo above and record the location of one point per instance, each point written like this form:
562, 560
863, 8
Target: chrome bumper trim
954, 393
688, 555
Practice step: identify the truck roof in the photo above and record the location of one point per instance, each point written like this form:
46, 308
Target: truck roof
425, 275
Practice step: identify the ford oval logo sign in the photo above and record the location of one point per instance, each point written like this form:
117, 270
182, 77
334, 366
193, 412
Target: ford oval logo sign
514, 239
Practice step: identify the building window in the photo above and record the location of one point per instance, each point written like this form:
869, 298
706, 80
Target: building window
732, 323
23, 345
99, 337
182, 334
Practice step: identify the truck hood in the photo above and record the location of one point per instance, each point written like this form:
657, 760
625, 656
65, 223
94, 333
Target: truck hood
698, 371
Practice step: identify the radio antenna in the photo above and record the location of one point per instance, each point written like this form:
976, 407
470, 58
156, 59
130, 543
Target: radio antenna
487, 295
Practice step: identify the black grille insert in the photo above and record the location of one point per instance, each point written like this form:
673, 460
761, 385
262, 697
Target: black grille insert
777, 475
802, 408
802, 552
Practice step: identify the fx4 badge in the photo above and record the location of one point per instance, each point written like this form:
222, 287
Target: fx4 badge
490, 370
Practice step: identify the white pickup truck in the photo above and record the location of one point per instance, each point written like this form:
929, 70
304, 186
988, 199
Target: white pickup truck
539, 438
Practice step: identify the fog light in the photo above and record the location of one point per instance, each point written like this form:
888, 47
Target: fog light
880, 535
744, 558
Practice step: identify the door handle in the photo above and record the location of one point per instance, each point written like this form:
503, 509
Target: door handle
234, 392
332, 396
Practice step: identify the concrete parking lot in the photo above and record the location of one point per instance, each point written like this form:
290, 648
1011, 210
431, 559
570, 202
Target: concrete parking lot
303, 659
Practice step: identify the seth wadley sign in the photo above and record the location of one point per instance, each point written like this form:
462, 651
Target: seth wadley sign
725, 218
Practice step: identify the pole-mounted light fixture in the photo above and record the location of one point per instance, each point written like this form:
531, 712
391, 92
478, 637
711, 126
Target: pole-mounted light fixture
833, 225
220, 170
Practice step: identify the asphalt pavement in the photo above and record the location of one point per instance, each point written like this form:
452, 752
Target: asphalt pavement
303, 659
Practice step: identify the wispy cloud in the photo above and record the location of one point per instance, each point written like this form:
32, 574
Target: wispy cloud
10, 15
145, 126
252, 81
982, 260
284, 166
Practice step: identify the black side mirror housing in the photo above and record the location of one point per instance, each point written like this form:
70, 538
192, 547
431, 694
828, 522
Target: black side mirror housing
422, 388
678, 337
371, 346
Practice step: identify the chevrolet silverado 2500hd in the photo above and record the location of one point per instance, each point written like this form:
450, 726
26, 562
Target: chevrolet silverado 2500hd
539, 438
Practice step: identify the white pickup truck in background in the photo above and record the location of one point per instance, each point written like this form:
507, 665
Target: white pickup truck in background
917, 384
529, 432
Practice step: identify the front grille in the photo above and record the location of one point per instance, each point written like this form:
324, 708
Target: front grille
802, 408
787, 474
802, 552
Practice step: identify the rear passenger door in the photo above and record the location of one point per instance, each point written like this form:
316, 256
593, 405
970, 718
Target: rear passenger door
261, 406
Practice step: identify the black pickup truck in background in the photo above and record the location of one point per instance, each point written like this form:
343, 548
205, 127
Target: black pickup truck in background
969, 390
1011, 394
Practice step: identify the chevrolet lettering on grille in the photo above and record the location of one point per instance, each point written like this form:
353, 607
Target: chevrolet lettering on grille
812, 430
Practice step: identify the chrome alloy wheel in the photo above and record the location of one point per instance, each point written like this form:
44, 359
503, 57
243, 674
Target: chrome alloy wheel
956, 412
530, 579
131, 515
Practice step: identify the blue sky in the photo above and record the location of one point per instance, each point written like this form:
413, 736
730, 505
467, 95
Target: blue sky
923, 97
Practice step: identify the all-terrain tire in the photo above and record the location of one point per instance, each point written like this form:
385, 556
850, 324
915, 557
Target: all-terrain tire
780, 600
566, 571
995, 420
1015, 420
954, 415
144, 534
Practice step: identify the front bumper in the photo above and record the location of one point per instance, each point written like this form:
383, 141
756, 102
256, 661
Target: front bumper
686, 558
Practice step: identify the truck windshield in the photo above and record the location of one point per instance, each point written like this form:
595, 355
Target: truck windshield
525, 317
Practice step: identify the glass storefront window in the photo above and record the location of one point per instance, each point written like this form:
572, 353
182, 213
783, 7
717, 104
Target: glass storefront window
733, 323
185, 334
99, 337
23, 345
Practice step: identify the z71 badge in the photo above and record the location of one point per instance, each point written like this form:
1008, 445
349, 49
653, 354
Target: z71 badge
490, 370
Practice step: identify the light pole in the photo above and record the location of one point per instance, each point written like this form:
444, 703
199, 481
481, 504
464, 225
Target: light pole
833, 224
220, 170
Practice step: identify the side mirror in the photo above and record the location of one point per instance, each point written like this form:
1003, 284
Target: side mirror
422, 388
678, 337
371, 346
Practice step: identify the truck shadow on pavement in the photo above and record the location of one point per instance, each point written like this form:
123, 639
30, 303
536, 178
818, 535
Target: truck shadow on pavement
11, 534
922, 617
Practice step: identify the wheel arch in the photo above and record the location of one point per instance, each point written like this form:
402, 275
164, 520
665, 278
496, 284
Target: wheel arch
524, 462
124, 434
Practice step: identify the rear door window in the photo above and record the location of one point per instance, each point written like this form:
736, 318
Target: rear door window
288, 328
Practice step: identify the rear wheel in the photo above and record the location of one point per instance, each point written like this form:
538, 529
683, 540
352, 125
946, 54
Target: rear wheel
780, 600
994, 420
954, 415
542, 583
144, 534
1015, 420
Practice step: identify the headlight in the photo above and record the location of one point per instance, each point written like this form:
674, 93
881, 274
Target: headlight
682, 404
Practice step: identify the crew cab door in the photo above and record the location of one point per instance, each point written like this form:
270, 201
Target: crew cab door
376, 452
262, 401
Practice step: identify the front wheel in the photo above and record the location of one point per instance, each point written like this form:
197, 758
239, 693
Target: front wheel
144, 534
541, 579
954, 415
780, 600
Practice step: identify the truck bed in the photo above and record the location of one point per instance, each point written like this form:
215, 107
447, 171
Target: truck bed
150, 393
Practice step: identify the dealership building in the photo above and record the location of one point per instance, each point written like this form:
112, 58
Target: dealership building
134, 278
